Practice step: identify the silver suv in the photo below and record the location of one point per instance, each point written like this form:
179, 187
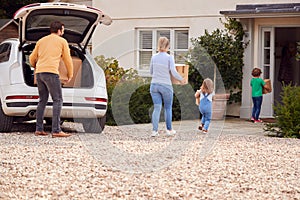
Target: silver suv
85, 97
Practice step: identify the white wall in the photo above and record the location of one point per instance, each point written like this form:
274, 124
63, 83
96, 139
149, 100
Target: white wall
119, 39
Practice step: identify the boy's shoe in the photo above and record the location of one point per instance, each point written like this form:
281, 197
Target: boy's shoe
258, 121
252, 119
154, 134
170, 133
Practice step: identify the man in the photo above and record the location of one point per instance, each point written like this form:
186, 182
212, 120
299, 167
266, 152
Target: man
45, 59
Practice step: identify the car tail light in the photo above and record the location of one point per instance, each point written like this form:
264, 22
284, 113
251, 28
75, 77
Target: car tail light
22, 97
95, 99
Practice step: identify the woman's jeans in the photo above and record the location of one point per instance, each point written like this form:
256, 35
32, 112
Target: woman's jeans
49, 83
161, 93
205, 108
257, 101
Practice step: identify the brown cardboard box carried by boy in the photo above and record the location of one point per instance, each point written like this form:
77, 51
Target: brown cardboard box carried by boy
268, 87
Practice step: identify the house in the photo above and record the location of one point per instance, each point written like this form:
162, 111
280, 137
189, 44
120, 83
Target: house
8, 29
269, 25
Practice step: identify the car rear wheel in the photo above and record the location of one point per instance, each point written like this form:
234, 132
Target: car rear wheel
94, 125
6, 121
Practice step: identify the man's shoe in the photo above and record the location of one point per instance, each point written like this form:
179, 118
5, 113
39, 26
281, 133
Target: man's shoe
40, 133
61, 134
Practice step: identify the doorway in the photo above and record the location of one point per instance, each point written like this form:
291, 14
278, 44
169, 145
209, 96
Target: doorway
286, 39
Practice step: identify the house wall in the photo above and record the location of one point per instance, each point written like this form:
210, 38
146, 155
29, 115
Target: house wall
119, 39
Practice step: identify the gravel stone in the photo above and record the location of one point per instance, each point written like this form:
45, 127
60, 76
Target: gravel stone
235, 160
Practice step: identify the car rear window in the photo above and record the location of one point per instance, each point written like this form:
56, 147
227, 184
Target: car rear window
72, 23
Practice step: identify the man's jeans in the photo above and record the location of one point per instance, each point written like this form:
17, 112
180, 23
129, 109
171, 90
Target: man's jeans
161, 93
49, 83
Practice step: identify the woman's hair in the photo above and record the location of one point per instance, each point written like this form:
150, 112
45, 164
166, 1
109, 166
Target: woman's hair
55, 26
256, 72
208, 85
163, 44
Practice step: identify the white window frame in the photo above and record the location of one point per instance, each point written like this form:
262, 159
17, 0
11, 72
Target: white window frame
154, 45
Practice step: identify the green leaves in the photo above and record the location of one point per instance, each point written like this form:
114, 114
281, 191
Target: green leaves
287, 113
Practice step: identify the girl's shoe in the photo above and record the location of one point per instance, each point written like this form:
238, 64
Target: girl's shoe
200, 127
171, 132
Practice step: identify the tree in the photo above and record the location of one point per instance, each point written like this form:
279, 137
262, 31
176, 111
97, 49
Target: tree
9, 7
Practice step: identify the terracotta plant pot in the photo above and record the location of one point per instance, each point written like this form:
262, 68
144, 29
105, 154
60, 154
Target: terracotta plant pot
219, 106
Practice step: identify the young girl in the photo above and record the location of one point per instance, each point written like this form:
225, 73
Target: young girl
257, 85
205, 94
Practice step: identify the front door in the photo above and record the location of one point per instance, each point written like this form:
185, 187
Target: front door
267, 66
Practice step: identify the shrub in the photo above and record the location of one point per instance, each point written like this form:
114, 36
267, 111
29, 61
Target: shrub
129, 99
114, 75
287, 112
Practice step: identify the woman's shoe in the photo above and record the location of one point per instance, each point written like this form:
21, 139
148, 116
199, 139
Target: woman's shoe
154, 134
170, 132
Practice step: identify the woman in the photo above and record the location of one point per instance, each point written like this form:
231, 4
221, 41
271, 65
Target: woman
162, 64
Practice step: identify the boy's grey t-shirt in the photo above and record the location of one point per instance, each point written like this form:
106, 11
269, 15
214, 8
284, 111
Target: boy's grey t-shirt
160, 67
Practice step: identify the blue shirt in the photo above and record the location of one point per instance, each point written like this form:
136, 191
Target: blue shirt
161, 65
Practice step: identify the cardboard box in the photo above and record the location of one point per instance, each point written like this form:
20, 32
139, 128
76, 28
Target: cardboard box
268, 87
63, 75
183, 70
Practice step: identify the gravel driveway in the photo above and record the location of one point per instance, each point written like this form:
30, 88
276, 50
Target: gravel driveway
234, 161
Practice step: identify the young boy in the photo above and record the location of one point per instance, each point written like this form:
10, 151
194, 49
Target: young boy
257, 85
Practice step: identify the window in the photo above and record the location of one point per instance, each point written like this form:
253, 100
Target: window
4, 52
147, 45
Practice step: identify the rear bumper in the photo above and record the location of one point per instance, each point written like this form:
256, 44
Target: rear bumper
69, 110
